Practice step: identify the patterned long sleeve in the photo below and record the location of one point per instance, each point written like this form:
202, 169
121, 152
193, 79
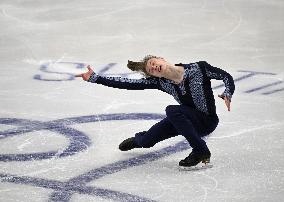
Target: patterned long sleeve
125, 83
219, 74
194, 91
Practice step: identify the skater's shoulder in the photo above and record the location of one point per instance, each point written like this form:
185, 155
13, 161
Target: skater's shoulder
187, 65
202, 63
193, 64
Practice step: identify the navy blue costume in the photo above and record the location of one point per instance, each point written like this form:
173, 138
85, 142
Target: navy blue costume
194, 117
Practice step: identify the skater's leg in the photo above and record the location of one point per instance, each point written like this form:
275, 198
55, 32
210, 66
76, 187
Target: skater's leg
188, 122
158, 132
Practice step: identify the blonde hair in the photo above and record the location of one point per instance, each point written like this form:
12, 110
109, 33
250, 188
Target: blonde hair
141, 66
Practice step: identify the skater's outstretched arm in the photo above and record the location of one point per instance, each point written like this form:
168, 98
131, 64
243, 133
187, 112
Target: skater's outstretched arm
119, 82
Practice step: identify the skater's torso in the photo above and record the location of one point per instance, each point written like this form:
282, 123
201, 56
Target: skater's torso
194, 91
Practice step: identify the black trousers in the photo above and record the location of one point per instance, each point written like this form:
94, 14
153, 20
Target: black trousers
180, 120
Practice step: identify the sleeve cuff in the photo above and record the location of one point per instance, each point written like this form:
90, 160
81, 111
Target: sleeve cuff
93, 78
228, 95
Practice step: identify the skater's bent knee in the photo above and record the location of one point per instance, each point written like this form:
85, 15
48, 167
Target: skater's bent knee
172, 109
147, 144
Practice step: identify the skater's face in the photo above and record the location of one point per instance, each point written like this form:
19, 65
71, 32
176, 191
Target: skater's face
156, 67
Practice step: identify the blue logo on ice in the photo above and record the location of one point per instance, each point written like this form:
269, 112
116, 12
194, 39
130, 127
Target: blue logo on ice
78, 140
65, 71
63, 191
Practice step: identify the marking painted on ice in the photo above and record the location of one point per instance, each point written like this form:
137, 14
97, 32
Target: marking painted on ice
78, 140
52, 74
63, 191
264, 86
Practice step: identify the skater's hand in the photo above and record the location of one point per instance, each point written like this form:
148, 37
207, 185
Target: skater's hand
227, 101
86, 75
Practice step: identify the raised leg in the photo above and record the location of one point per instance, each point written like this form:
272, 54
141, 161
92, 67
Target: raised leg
158, 132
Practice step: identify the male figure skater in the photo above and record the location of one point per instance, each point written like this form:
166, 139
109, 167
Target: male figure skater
190, 85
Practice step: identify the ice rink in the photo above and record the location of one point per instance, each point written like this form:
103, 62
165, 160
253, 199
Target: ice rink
60, 135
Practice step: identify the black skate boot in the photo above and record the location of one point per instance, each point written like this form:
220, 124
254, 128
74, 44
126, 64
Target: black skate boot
195, 158
128, 144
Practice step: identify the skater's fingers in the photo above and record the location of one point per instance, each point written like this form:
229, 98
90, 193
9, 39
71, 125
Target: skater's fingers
227, 99
228, 103
228, 106
89, 68
79, 75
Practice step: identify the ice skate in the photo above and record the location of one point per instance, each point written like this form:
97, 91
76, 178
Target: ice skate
128, 144
192, 162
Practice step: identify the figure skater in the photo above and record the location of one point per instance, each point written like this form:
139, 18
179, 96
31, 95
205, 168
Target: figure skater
195, 115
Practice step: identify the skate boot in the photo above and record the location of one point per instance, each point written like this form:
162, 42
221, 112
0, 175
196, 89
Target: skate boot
128, 144
195, 158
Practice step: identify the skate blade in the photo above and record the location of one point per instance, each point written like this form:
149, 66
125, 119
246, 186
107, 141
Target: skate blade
196, 168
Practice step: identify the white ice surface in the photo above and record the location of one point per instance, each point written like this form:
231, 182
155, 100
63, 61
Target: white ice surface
247, 147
